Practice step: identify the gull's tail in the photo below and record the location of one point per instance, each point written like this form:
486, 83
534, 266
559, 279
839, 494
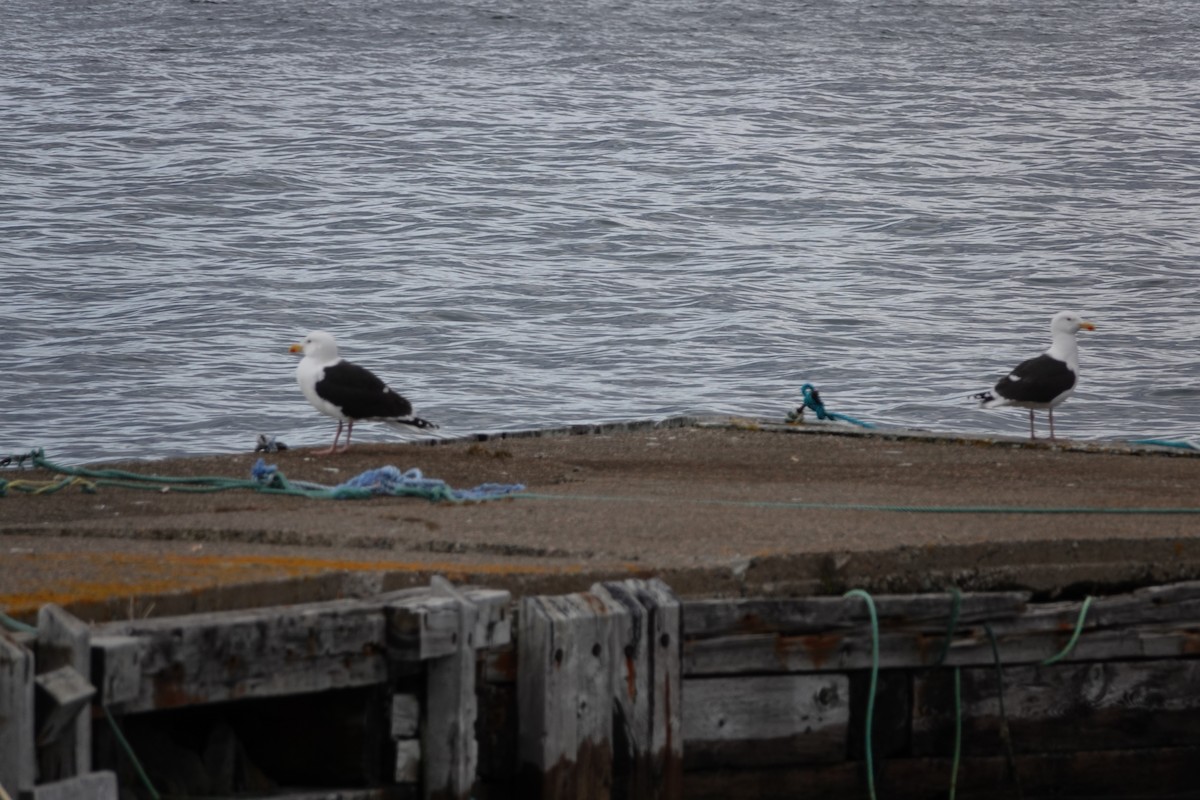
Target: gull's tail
986, 399
409, 424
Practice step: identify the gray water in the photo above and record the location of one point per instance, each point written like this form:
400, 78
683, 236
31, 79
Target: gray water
525, 214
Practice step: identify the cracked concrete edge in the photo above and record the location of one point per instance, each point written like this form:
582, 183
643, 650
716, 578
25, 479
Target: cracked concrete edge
827, 428
1049, 569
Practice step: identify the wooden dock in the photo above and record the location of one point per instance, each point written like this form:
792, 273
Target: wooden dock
621, 691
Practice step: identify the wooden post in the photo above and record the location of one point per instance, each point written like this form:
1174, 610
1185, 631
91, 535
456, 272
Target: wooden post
448, 742
648, 760
63, 644
564, 693
92, 786
17, 760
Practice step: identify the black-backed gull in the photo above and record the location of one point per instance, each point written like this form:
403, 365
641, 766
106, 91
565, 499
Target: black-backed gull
1047, 380
348, 392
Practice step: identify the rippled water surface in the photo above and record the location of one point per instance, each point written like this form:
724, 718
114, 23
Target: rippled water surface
551, 211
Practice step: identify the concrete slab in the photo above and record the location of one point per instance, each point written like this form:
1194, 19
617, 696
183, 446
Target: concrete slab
713, 506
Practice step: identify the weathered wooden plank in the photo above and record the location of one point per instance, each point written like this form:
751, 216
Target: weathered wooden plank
61, 696
841, 651
648, 691
1064, 707
1124, 774
17, 753
396, 792
565, 691
500, 664
408, 761
924, 612
92, 786
422, 627
494, 622
406, 715
760, 720
821, 623
424, 624
117, 668
448, 742
65, 735
207, 658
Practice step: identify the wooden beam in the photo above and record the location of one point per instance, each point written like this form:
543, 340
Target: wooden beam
760, 720
929, 613
1064, 707
65, 737
648, 759
207, 658
117, 668
17, 754
565, 696
448, 744
92, 786
61, 696
1125, 774
840, 651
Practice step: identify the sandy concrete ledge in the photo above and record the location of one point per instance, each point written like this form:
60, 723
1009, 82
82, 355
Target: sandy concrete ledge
714, 506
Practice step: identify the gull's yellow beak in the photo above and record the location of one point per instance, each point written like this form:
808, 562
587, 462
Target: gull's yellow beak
296, 348
1087, 326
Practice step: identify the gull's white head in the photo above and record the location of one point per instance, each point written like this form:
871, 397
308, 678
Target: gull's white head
1069, 322
318, 345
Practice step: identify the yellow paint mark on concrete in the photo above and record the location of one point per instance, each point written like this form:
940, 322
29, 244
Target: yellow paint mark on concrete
108, 576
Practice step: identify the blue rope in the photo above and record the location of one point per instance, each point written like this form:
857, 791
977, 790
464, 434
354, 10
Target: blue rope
264, 478
383, 481
812, 400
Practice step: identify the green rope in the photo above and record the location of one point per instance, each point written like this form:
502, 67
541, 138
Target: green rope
16, 624
1005, 731
957, 731
137, 764
955, 609
861, 506
873, 687
1087, 603
269, 481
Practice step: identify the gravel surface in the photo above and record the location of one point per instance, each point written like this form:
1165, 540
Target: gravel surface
738, 508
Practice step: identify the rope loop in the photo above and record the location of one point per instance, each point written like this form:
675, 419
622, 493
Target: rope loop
812, 401
1066, 651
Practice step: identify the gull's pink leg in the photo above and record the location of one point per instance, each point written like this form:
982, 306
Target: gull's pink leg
1052, 424
349, 430
1032, 435
333, 447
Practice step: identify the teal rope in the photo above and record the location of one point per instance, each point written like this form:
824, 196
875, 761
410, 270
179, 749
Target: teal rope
812, 400
1087, 603
864, 506
874, 685
957, 731
264, 479
1005, 731
955, 609
1179, 444
137, 764
16, 624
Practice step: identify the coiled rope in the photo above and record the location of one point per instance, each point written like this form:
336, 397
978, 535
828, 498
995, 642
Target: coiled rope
812, 401
264, 478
